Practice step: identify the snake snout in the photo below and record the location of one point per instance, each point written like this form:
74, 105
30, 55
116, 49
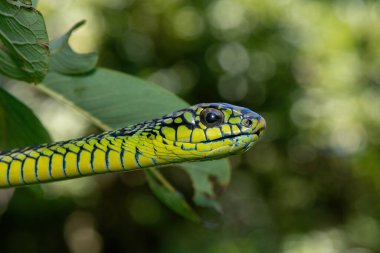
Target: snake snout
260, 127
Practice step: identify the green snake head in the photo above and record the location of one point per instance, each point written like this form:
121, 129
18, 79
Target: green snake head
208, 131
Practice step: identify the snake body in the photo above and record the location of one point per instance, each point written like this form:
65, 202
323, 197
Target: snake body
200, 132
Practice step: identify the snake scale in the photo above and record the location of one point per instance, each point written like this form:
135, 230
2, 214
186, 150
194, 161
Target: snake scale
201, 132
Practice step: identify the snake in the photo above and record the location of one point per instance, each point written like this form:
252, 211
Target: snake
200, 132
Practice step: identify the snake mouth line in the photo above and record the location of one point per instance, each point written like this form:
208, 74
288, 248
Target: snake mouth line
259, 132
231, 137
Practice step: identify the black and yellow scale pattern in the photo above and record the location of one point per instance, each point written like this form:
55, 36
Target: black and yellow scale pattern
200, 132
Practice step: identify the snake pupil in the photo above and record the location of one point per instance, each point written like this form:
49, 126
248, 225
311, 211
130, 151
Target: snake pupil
211, 117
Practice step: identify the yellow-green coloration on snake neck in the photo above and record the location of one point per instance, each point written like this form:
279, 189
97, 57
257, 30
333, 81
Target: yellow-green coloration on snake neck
200, 132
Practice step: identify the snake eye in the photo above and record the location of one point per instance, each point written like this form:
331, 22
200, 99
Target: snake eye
211, 117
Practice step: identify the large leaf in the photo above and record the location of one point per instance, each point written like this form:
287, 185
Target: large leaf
24, 47
65, 61
19, 127
112, 100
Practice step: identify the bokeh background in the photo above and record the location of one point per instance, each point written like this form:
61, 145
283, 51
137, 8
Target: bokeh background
311, 68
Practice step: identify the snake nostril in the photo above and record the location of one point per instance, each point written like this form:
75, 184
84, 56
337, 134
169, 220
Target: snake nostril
247, 122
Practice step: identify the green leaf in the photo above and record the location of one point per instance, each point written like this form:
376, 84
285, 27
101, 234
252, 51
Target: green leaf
19, 127
24, 50
65, 61
112, 100
21, 3
8, 65
209, 178
167, 194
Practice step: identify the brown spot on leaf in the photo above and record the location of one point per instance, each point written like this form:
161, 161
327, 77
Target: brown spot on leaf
217, 187
44, 44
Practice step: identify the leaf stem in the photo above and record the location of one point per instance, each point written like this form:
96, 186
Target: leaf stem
164, 182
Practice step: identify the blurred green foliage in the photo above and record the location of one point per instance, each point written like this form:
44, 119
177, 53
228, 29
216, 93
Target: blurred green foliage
312, 185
